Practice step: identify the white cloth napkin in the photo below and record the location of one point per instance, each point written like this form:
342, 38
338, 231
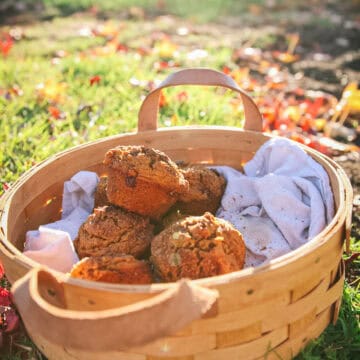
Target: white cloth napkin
282, 201
79, 192
52, 244
51, 247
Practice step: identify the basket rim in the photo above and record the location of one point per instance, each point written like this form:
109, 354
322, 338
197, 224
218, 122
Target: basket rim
334, 225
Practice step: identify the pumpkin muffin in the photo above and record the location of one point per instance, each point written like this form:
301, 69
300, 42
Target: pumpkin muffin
197, 247
111, 230
206, 188
143, 180
100, 197
120, 269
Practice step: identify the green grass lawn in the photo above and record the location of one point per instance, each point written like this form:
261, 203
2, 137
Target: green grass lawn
74, 79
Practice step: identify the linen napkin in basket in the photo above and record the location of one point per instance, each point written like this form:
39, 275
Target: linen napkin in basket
282, 201
52, 244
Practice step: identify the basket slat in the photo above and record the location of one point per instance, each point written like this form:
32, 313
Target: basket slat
250, 350
239, 336
178, 346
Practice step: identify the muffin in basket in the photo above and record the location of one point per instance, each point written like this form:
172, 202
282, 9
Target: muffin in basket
120, 269
197, 247
111, 230
100, 197
206, 188
143, 180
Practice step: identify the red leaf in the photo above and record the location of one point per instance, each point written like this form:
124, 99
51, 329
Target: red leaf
94, 80
161, 65
316, 145
6, 43
315, 106
122, 48
226, 70
54, 112
4, 297
306, 123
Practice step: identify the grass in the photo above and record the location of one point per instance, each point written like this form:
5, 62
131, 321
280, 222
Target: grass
340, 341
61, 85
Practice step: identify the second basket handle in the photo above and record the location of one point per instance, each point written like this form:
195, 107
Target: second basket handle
40, 298
149, 109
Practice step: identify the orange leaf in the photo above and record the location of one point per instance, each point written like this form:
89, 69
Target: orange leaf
162, 100
226, 70
54, 112
107, 30
285, 57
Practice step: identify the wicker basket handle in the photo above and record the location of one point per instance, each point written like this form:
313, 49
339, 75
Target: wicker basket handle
149, 109
40, 297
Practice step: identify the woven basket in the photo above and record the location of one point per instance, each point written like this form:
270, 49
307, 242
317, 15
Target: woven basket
271, 311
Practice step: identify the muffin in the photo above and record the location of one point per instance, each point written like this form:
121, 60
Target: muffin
143, 180
206, 188
120, 269
197, 247
111, 230
100, 197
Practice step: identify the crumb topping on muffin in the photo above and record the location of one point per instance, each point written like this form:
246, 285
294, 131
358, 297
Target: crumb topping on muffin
197, 247
112, 230
148, 164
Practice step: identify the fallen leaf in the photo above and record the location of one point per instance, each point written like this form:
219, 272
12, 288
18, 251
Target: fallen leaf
108, 30
51, 91
165, 48
285, 57
122, 48
162, 100
95, 80
351, 97
55, 112
6, 43
161, 65
4, 297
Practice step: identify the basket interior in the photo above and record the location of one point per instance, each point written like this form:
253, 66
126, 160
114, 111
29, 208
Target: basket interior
37, 197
